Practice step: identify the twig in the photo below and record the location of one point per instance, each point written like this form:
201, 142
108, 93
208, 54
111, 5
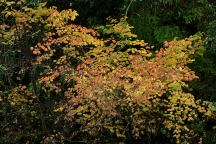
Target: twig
126, 12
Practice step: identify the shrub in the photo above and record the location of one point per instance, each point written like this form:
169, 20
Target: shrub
95, 86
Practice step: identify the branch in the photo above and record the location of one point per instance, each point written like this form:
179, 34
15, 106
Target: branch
126, 12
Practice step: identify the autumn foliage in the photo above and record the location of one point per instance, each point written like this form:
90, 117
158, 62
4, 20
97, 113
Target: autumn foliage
98, 84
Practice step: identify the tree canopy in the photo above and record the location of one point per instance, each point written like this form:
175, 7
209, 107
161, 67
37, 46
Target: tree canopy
78, 72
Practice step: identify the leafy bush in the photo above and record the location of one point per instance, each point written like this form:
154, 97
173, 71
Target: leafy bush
94, 86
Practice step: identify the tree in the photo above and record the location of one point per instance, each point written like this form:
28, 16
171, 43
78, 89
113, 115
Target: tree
78, 74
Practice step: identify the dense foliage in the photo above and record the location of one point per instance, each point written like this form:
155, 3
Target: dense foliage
61, 82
